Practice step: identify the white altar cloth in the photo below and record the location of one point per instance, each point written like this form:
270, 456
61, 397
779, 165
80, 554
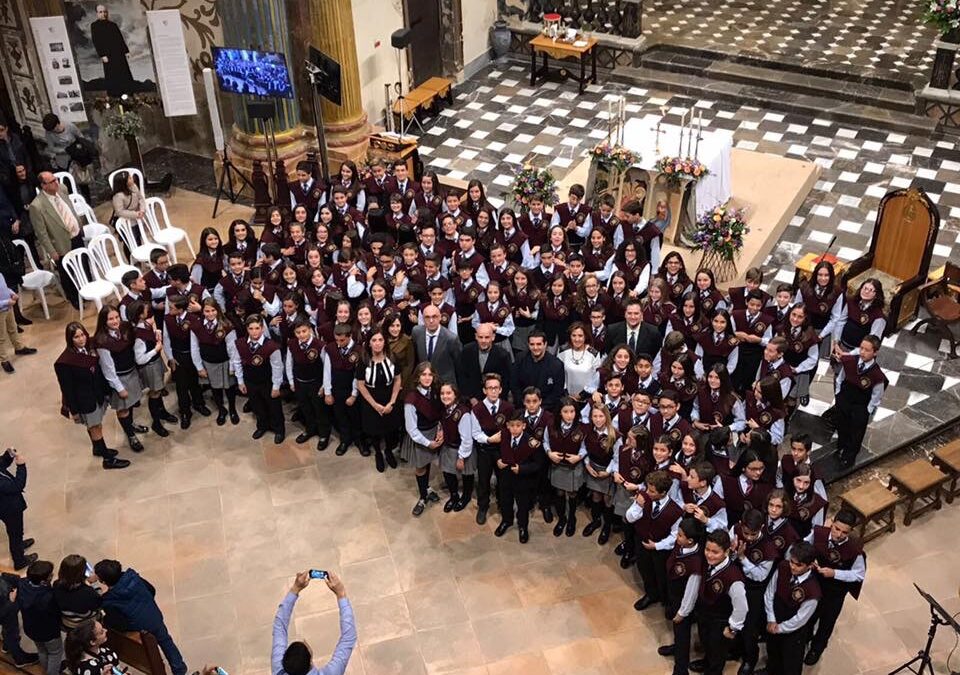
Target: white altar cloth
640, 136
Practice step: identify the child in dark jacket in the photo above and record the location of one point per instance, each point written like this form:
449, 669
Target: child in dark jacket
41, 617
129, 604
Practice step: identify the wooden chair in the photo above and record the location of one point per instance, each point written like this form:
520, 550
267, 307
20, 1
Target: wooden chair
919, 484
941, 299
947, 459
874, 505
137, 649
900, 250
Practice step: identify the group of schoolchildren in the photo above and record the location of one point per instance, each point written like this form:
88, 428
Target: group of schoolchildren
673, 443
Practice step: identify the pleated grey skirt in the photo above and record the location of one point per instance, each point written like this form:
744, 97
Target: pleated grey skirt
567, 478
151, 374
95, 418
416, 454
218, 375
448, 461
131, 382
602, 485
622, 499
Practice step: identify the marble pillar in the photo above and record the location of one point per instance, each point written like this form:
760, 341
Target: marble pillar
346, 126
262, 25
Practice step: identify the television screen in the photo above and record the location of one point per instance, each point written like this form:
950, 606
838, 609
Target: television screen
244, 71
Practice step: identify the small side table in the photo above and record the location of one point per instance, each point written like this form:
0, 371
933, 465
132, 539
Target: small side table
874, 505
918, 481
548, 47
947, 459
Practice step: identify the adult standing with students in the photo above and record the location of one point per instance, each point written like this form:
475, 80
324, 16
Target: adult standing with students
57, 228
12, 506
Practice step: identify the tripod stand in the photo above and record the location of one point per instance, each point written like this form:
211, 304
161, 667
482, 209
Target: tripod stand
225, 187
938, 617
401, 99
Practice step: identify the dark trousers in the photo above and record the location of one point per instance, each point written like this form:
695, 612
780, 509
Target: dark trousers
652, 566
754, 626
170, 652
825, 618
10, 630
516, 491
313, 411
851, 420
69, 289
545, 493
785, 652
681, 631
715, 644
267, 410
14, 524
347, 419
187, 382
486, 467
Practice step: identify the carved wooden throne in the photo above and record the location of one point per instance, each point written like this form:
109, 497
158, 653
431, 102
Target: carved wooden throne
900, 251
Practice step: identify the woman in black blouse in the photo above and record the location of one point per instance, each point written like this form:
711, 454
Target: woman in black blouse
379, 383
77, 600
86, 650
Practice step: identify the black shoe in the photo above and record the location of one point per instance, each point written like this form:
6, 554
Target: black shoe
461, 504
627, 561
364, 450
8, 367
419, 507
203, 410
26, 658
644, 602
591, 527
135, 443
140, 429
258, 434
571, 527
278, 438
500, 531
303, 438
221, 418
19, 329
25, 351
558, 528
548, 515
115, 463
846, 462
234, 417
392, 459
159, 430
813, 655
381, 466
184, 421
451, 503
746, 669
27, 559
621, 549
342, 450
524, 535
604, 535
168, 417
106, 452
27, 543
323, 443
432, 496
481, 516
247, 407
698, 666
24, 321
666, 650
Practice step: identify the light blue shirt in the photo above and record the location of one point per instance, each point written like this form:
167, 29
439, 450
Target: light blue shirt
5, 295
341, 653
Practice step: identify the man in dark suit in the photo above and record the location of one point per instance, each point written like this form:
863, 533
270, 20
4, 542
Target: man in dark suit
541, 369
479, 358
641, 337
12, 506
436, 344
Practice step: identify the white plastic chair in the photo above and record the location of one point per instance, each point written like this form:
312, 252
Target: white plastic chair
68, 181
93, 230
37, 280
139, 252
90, 287
163, 232
82, 208
137, 176
101, 248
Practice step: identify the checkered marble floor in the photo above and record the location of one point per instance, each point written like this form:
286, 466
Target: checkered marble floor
498, 122
880, 37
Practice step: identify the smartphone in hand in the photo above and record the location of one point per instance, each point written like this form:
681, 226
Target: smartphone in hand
221, 671
318, 574
89, 571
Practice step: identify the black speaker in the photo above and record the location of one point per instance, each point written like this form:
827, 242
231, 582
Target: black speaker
261, 110
400, 38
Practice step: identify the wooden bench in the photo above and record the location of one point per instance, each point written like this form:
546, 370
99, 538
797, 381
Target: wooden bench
423, 98
137, 649
918, 483
947, 459
874, 505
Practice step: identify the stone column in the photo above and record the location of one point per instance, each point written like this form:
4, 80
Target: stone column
262, 25
346, 127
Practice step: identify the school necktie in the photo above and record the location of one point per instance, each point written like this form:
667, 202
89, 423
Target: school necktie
793, 580
536, 222
748, 489
656, 509
716, 338
632, 341
516, 442
430, 347
493, 410
209, 325
304, 345
862, 367
254, 346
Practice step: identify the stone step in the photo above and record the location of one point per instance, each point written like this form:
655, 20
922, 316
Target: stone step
773, 78
766, 97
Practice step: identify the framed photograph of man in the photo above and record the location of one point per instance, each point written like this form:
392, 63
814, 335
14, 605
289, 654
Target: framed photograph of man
111, 45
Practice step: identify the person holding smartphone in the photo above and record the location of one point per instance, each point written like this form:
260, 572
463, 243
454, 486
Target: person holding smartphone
12, 506
296, 658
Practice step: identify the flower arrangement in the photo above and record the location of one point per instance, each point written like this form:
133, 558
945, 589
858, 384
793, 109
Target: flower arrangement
615, 156
944, 14
530, 182
122, 123
720, 231
678, 169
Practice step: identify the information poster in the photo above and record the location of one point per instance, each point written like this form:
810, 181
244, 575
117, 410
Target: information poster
172, 64
59, 68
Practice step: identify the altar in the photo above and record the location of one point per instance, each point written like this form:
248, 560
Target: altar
678, 206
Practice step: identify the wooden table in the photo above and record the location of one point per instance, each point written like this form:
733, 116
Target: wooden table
919, 481
803, 269
874, 505
563, 50
947, 459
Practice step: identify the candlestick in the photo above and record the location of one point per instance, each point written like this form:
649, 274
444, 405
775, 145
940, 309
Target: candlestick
696, 151
657, 149
683, 119
690, 134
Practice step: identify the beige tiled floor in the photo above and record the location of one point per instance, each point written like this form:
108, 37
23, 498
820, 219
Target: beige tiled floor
219, 523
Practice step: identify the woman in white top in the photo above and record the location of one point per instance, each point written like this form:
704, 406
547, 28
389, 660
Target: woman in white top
127, 199
581, 364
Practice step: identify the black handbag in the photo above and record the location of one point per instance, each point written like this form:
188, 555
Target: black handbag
82, 152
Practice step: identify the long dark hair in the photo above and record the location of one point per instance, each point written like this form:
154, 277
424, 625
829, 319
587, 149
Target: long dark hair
71, 330
232, 235
120, 183
101, 332
415, 380
72, 571
368, 350
879, 300
77, 642
204, 250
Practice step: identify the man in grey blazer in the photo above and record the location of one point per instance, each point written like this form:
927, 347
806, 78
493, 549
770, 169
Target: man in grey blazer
436, 344
57, 227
